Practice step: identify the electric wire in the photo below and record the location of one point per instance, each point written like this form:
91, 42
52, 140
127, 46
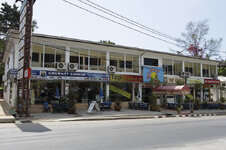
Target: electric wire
121, 23
116, 15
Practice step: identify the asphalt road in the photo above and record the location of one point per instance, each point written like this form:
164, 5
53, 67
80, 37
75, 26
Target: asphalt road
140, 134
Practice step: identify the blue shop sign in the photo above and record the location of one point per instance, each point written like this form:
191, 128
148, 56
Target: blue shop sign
11, 74
59, 75
153, 74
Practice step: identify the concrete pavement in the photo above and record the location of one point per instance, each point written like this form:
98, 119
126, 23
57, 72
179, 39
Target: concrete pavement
5, 117
82, 115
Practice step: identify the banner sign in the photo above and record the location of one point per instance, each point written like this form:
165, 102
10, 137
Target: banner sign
211, 81
195, 81
58, 75
119, 91
153, 74
12, 74
125, 78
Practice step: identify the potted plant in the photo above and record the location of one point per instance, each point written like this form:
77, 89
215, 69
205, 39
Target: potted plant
222, 100
179, 104
117, 105
197, 103
153, 102
72, 99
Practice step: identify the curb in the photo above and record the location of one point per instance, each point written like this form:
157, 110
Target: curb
194, 115
7, 119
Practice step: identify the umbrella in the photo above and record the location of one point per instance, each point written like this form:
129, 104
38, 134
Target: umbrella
57, 93
101, 95
138, 96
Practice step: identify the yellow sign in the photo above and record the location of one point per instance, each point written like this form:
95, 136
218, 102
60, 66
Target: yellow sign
120, 91
190, 96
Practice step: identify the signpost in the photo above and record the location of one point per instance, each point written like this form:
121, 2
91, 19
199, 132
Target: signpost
24, 71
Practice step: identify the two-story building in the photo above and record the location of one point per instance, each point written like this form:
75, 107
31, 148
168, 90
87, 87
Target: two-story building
87, 67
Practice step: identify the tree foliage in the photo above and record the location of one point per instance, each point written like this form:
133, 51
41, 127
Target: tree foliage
10, 19
107, 42
9, 16
194, 42
222, 69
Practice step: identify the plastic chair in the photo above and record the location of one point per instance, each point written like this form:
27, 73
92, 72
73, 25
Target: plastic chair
46, 107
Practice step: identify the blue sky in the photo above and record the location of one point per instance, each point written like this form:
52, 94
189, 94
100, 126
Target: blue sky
56, 17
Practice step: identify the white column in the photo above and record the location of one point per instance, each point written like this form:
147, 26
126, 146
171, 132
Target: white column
201, 96
133, 91
107, 91
182, 66
66, 90
101, 86
67, 55
140, 90
107, 60
201, 70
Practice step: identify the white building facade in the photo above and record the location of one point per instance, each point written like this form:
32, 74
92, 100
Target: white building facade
88, 67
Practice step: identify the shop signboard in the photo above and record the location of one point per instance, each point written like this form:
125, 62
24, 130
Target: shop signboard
195, 81
125, 78
211, 81
60, 75
11, 74
120, 91
153, 74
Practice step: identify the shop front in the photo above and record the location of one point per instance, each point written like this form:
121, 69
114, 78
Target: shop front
211, 89
44, 85
124, 87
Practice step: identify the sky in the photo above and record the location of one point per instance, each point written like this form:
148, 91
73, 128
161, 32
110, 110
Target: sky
56, 17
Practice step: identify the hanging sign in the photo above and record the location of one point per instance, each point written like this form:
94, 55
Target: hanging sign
195, 81
119, 91
60, 75
211, 81
125, 78
153, 74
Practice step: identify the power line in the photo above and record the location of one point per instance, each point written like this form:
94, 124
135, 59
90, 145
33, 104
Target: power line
116, 15
120, 23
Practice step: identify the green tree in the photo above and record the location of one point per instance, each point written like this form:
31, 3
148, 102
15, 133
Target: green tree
9, 18
107, 42
222, 68
194, 43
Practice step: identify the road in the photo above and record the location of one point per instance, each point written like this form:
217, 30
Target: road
140, 134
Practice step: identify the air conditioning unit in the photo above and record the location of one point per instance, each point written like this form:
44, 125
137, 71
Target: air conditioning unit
111, 69
72, 66
61, 65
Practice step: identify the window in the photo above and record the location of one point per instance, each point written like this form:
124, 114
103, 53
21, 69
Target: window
205, 70
117, 59
37, 55
83, 59
92, 59
167, 66
177, 66
196, 67
188, 67
212, 70
151, 62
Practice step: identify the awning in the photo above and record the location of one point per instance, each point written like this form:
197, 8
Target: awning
172, 90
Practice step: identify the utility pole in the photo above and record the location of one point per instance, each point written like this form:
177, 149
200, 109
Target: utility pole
24, 70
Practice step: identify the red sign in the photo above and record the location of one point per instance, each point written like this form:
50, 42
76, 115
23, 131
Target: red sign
211, 81
126, 78
27, 73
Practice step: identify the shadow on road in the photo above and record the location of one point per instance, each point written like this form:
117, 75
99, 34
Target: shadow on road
32, 127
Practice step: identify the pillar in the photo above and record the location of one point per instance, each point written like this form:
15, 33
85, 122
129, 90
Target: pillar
140, 90
107, 91
133, 91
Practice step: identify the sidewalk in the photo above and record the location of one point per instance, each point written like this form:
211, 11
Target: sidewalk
5, 117
82, 115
